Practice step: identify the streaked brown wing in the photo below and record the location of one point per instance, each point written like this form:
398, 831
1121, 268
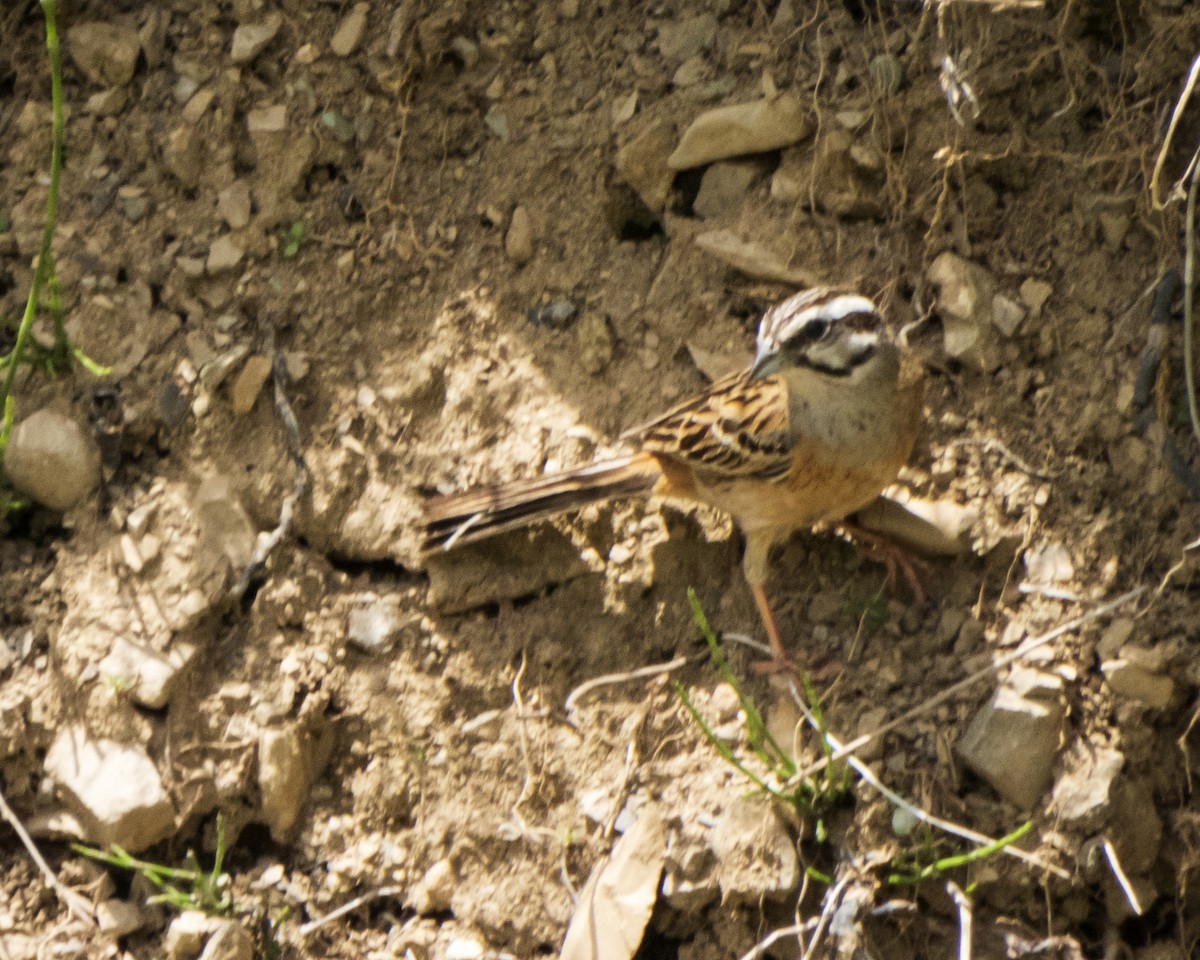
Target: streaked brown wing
735, 428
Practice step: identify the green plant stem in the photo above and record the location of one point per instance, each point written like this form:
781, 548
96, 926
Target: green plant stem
45, 256
962, 859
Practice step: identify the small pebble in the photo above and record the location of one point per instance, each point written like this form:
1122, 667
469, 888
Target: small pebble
518, 242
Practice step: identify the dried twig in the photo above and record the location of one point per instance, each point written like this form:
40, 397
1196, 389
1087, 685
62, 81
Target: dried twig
76, 904
774, 937
345, 908
965, 919
1114, 864
610, 678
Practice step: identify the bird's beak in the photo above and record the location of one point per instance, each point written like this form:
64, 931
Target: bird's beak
765, 364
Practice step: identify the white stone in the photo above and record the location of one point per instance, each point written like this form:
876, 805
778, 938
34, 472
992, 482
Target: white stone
464, 948
113, 787
1007, 315
151, 674
1084, 790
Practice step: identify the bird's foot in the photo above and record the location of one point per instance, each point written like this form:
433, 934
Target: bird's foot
895, 558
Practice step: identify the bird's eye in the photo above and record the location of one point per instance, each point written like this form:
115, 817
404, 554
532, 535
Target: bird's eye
817, 328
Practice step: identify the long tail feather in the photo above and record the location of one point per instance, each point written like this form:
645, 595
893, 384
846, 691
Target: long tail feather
461, 518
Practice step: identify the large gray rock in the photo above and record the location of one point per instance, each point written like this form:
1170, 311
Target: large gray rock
1012, 742
113, 788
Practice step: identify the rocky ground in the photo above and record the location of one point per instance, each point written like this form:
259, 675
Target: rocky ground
461, 242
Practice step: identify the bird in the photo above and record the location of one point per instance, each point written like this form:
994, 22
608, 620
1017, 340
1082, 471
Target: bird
814, 429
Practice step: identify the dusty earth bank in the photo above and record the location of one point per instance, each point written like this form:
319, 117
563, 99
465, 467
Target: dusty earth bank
459, 227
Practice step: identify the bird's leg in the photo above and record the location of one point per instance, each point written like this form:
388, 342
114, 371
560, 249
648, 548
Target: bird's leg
882, 549
778, 654
754, 566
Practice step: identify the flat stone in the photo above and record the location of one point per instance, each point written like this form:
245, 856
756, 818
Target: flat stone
52, 459
753, 259
1130, 679
113, 788
106, 53
642, 163
1134, 826
349, 32
1012, 741
503, 568
249, 383
740, 129
939, 528
250, 39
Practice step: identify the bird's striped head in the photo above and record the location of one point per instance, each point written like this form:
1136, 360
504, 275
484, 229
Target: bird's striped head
827, 330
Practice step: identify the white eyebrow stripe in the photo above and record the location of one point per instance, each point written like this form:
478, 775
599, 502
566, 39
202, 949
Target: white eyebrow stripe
842, 306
